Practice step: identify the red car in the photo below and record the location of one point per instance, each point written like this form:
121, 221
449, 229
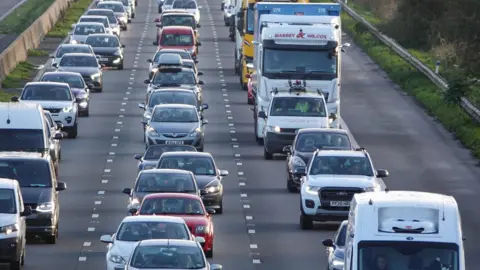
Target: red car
250, 97
187, 206
178, 37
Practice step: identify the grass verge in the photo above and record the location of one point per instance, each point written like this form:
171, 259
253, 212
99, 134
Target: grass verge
416, 84
35, 52
22, 72
71, 16
427, 58
22, 17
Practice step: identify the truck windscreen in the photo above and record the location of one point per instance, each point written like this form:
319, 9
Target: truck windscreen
250, 20
282, 63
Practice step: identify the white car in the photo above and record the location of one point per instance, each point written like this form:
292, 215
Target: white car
332, 178
189, 6
70, 48
167, 4
83, 29
58, 99
134, 229
100, 19
181, 254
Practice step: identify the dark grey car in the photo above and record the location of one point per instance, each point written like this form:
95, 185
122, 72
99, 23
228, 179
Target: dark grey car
85, 64
161, 181
336, 248
151, 156
109, 49
208, 176
112, 19
118, 9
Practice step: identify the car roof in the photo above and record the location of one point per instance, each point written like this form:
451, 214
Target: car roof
89, 23
160, 171
102, 35
177, 28
79, 54
48, 83
100, 9
182, 90
340, 153
6, 183
166, 50
109, 2
94, 16
323, 130
153, 218
20, 155
173, 105
74, 45
172, 195
180, 12
185, 153
167, 242
62, 73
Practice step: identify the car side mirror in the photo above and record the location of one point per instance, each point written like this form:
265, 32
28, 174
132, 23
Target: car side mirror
201, 82
300, 171
98, 56
58, 136
199, 43
159, 25
199, 73
149, 61
287, 149
211, 211
195, 61
55, 65
200, 239
262, 115
223, 173
382, 173
156, 20
155, 43
204, 107
14, 99
137, 157
141, 105
61, 186
199, 26
132, 210
328, 242
51, 56
204, 122
123, 46
27, 211
248, 76
90, 85
106, 239
127, 191
146, 81
216, 267
73, 25
59, 126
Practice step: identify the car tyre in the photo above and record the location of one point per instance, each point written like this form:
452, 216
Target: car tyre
209, 254
16, 265
52, 239
267, 155
133, 15
121, 66
250, 101
22, 259
220, 208
159, 10
306, 223
73, 132
87, 112
258, 140
290, 185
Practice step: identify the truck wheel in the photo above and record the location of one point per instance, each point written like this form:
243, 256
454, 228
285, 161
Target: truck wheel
306, 223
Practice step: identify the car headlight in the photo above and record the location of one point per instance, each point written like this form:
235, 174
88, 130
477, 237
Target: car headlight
83, 104
116, 259
45, 207
191, 51
312, 189
148, 167
201, 229
118, 53
273, 128
147, 115
8, 229
67, 109
337, 264
296, 161
152, 132
212, 189
73, 41
196, 133
154, 70
95, 76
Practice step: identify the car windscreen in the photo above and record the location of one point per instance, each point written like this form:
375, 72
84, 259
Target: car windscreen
177, 76
107, 13
113, 7
88, 29
172, 97
98, 20
168, 257
154, 152
144, 230
311, 141
72, 49
183, 55
165, 182
179, 20
21, 139
46, 92
176, 39
72, 80
78, 61
28, 173
196, 165
103, 41
172, 206
8, 203
184, 4
341, 165
174, 115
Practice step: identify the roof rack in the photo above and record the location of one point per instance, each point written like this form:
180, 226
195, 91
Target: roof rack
296, 87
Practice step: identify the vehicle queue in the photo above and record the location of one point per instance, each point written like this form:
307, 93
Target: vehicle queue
179, 187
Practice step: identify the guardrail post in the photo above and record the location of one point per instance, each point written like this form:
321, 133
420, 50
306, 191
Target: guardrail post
437, 66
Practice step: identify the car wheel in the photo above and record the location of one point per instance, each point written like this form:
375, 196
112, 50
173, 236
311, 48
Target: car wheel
220, 209
133, 15
73, 133
87, 112
290, 185
306, 223
22, 259
51, 239
250, 101
267, 155
16, 265
121, 66
99, 90
258, 140
209, 254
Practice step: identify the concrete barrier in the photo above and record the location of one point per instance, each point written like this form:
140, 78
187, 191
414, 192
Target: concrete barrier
31, 37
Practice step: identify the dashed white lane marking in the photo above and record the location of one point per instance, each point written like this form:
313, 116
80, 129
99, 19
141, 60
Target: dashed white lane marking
248, 217
91, 229
240, 173
246, 206
82, 259
87, 244
107, 170
101, 192
253, 246
241, 184
104, 181
98, 202
95, 215
239, 163
244, 195
111, 153
251, 231
256, 261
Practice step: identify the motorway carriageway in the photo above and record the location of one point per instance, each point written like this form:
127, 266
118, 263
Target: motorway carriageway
259, 228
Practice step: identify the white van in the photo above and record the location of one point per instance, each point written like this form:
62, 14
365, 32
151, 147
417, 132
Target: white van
400, 230
23, 127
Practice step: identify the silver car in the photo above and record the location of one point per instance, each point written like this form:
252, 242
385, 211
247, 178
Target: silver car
70, 48
129, 7
112, 19
119, 11
84, 29
175, 124
98, 19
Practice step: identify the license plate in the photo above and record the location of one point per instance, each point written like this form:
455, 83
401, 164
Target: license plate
173, 142
339, 204
103, 59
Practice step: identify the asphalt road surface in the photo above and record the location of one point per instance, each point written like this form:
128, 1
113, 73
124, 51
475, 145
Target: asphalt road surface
259, 228
6, 39
6, 6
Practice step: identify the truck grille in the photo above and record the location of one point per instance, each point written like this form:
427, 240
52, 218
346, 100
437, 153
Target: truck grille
337, 195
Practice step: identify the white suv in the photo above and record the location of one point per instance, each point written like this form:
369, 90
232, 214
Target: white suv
332, 178
58, 99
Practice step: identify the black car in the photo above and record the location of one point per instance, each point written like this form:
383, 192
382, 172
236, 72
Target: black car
161, 181
109, 49
35, 173
85, 64
79, 88
307, 141
151, 156
336, 248
208, 176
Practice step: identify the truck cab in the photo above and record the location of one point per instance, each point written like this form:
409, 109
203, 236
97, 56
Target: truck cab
406, 230
289, 110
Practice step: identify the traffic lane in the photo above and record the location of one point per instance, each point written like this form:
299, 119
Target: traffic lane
6, 6
419, 153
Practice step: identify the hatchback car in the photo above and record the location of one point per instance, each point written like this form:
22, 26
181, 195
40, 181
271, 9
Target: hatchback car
112, 19
109, 48
153, 63
85, 64
335, 248
70, 48
151, 156
118, 9
98, 19
84, 29
178, 37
